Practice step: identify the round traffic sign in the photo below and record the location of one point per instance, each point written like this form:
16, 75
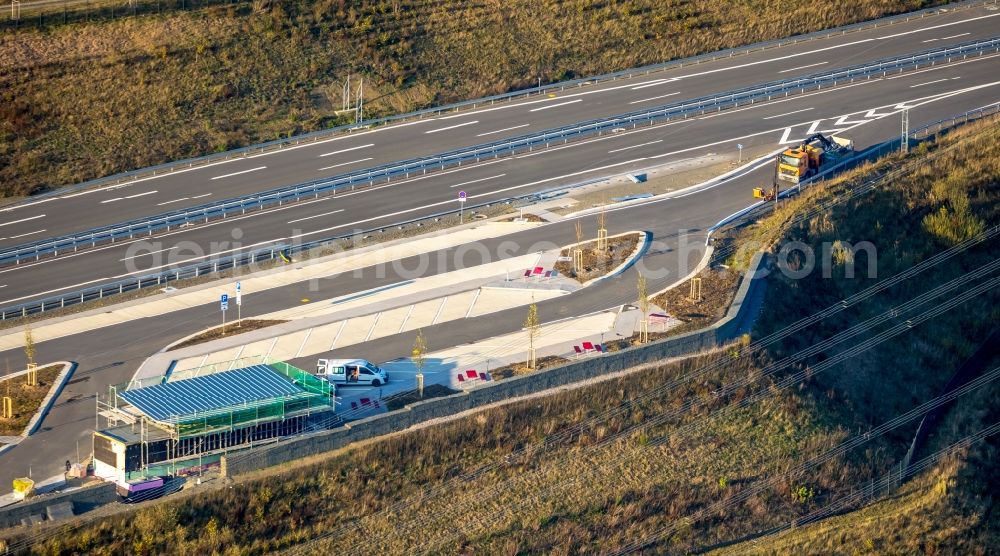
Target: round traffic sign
461, 195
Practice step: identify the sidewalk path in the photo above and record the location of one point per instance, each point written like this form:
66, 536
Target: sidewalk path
209, 293
321, 326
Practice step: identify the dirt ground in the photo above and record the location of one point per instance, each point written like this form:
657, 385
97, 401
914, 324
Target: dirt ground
522, 368
406, 398
598, 263
231, 329
25, 399
526, 217
718, 287
671, 177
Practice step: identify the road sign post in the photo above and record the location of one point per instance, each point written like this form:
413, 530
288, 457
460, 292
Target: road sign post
239, 306
224, 305
740, 147
461, 206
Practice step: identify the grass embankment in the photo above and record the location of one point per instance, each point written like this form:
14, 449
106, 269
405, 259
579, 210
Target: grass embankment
635, 471
597, 262
230, 329
545, 484
25, 399
947, 200
209, 80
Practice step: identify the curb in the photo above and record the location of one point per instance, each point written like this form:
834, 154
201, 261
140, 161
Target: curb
69, 367
43, 409
647, 241
707, 184
702, 264
222, 281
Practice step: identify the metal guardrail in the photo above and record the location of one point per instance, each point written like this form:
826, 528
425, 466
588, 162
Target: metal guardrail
278, 144
262, 255
272, 253
509, 147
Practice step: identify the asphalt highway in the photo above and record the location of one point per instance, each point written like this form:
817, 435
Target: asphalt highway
79, 211
679, 226
852, 110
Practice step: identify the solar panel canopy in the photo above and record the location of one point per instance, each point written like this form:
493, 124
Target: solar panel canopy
211, 392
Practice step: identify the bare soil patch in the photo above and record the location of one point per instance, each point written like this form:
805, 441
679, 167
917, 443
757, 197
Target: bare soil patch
527, 217
718, 287
25, 400
596, 262
404, 399
516, 369
246, 325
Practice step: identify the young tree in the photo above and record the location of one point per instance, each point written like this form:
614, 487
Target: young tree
29, 345
29, 352
602, 231
577, 251
534, 329
419, 349
643, 303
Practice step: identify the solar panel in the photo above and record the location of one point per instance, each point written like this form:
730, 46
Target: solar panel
211, 392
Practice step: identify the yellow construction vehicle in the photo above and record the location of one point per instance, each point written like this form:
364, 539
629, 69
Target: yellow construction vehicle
766, 194
808, 159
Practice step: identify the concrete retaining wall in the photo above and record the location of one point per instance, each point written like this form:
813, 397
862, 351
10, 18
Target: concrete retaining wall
83, 500
737, 321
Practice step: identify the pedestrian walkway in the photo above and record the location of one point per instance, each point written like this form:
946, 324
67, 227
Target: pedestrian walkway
209, 293
329, 324
554, 339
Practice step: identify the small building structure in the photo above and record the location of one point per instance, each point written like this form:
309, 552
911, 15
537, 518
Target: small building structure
181, 427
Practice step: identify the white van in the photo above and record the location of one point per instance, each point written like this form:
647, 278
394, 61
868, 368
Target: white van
351, 371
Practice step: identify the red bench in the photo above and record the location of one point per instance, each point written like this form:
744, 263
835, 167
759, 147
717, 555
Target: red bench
588, 347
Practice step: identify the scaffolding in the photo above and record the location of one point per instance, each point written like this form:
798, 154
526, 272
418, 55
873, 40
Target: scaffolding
193, 440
